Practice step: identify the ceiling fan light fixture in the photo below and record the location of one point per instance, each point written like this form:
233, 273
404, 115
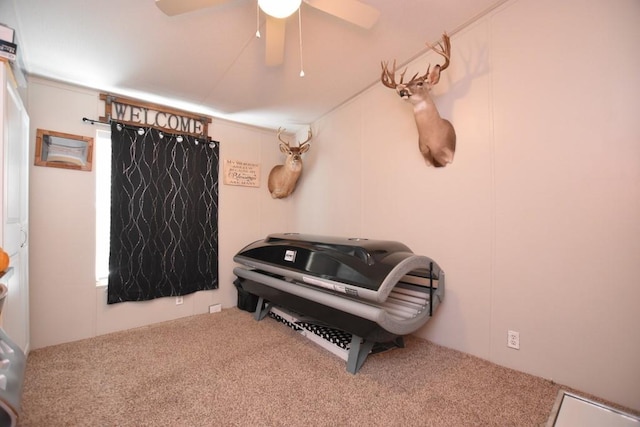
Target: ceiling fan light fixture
279, 8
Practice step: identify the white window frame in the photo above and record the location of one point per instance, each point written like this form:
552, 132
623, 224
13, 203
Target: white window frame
102, 163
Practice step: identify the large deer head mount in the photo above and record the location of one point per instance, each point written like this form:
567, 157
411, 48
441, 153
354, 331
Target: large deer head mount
283, 178
436, 136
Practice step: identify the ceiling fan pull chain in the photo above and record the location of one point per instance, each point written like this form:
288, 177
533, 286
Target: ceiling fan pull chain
300, 32
257, 20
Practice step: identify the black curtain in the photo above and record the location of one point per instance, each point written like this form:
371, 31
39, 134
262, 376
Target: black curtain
164, 215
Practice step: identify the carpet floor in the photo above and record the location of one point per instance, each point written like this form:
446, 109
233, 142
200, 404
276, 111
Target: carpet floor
226, 369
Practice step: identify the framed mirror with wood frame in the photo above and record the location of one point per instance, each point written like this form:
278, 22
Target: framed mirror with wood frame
63, 150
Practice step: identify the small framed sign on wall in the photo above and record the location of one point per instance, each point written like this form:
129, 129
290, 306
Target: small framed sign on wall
63, 150
237, 172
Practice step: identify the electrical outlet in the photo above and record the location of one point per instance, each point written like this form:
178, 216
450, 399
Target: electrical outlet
179, 300
513, 339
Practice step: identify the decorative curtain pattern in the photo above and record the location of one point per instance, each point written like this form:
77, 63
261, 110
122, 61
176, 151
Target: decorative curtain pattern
164, 215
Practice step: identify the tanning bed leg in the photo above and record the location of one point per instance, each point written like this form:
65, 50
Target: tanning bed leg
261, 312
358, 352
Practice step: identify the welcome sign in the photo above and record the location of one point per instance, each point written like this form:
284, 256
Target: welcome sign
141, 113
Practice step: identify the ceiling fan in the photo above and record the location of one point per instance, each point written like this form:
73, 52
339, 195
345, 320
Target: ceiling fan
352, 11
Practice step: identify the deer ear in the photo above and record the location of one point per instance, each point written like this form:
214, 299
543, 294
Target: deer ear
434, 75
284, 148
304, 148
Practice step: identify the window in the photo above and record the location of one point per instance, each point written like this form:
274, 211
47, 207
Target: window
102, 158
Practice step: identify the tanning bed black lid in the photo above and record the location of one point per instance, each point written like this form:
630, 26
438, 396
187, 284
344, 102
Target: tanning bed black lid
359, 262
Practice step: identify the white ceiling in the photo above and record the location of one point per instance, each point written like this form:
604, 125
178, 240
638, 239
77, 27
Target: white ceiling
210, 61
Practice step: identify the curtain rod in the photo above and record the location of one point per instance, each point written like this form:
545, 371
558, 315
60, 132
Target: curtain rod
211, 142
96, 122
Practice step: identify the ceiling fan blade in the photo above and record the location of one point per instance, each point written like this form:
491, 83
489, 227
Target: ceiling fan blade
177, 7
274, 51
352, 11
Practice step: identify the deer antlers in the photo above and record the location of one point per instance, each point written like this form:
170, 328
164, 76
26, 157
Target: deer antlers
280, 130
388, 78
444, 51
442, 48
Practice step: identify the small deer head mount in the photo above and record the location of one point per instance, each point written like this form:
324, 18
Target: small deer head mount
436, 136
283, 178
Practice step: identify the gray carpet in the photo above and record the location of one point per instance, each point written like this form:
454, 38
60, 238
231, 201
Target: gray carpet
226, 369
